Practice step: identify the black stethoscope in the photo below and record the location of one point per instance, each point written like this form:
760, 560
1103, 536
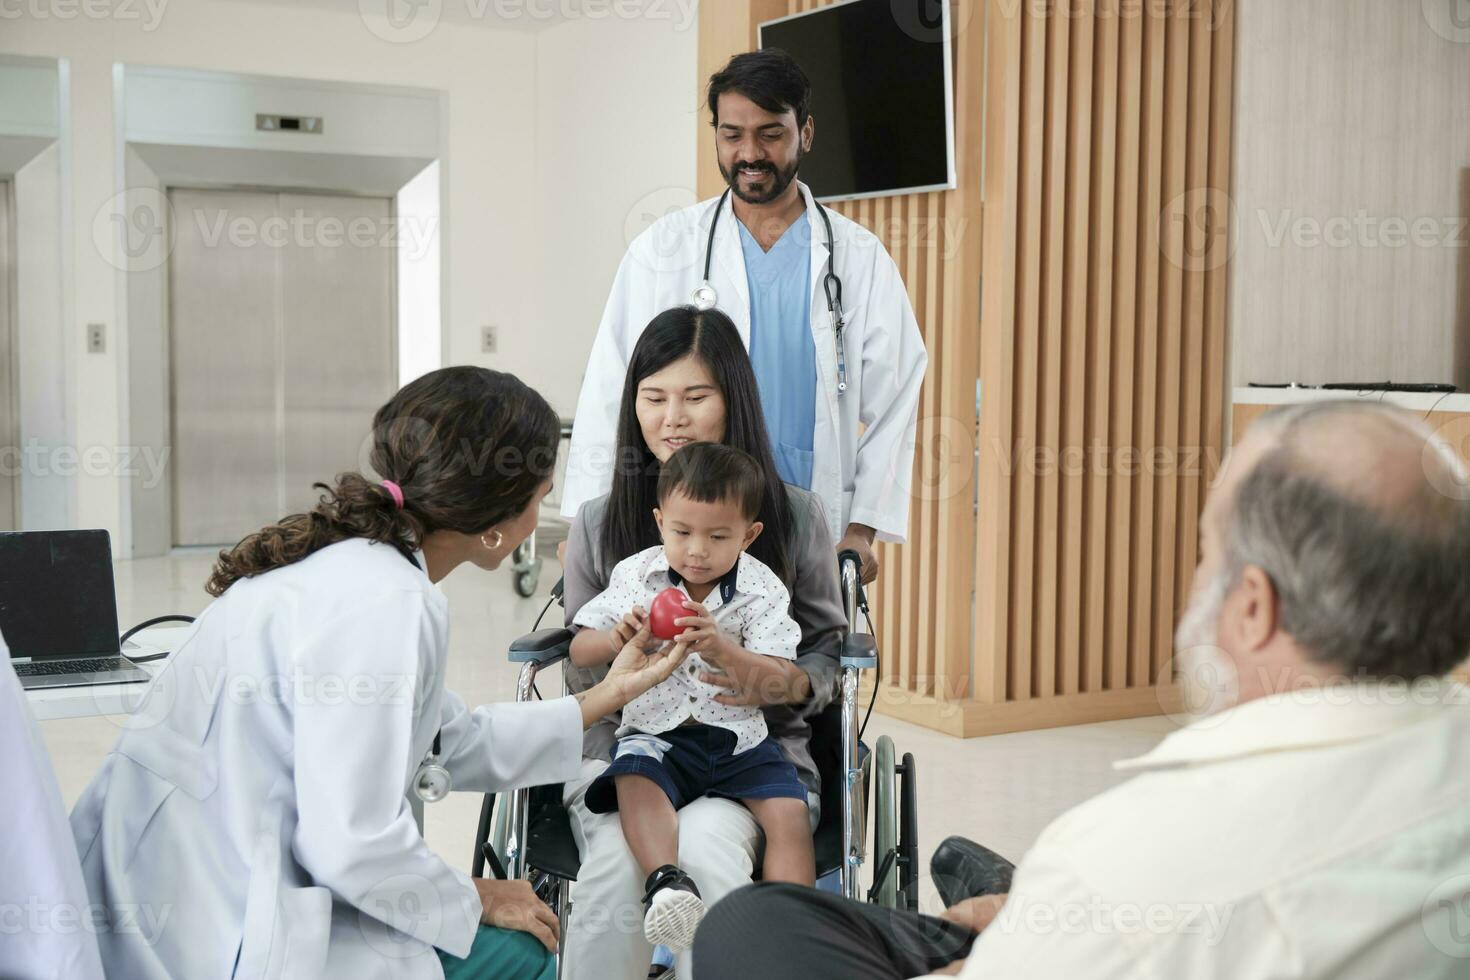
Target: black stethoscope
705, 296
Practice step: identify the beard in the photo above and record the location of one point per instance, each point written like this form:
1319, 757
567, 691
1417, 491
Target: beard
1206, 674
779, 180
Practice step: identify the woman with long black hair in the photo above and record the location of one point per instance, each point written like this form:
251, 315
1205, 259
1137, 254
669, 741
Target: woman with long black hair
253, 819
690, 380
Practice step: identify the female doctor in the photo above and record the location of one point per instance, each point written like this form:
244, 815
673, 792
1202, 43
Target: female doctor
253, 819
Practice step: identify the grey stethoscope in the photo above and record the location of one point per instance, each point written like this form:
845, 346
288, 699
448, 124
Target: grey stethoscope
705, 296
432, 783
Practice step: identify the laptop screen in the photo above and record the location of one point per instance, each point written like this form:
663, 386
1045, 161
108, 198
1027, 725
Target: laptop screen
56, 594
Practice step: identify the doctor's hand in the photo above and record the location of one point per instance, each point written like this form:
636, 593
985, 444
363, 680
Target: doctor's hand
642, 663
514, 905
859, 538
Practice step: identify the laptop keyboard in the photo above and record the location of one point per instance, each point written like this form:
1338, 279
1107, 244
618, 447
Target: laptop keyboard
96, 665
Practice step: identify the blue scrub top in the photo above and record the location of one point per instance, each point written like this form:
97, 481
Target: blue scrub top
781, 347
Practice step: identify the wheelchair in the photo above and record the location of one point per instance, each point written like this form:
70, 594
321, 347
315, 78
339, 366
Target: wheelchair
525, 563
527, 834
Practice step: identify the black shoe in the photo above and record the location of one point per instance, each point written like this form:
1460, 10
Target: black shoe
962, 869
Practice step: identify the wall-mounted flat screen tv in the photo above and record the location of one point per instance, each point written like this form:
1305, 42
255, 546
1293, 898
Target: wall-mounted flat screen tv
882, 95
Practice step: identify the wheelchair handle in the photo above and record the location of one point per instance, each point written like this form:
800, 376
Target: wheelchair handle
850, 567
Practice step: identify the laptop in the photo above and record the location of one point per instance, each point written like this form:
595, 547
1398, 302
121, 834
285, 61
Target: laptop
58, 610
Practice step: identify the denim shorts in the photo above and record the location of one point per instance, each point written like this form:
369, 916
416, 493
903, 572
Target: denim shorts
697, 760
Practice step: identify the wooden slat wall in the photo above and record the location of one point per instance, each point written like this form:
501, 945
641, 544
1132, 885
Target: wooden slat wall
1044, 576
926, 593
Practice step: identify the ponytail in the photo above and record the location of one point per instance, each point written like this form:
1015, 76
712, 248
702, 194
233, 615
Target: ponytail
354, 508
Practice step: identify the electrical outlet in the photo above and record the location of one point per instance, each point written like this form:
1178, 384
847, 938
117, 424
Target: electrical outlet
487, 340
96, 338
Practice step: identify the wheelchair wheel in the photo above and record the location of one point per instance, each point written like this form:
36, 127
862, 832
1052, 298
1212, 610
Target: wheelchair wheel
885, 826
526, 581
500, 839
526, 565
907, 869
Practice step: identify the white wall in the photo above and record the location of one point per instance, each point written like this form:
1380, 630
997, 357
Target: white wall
1352, 192
420, 341
46, 494
32, 155
146, 388
553, 134
616, 135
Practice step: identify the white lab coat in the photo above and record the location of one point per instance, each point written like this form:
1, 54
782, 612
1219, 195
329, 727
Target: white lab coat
44, 918
253, 818
863, 479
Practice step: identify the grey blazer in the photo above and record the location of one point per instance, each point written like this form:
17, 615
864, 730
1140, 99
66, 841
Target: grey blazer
816, 605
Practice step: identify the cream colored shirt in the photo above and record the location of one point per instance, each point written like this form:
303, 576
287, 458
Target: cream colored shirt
1302, 835
750, 605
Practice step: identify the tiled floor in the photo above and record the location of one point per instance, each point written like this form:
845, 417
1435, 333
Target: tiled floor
1000, 790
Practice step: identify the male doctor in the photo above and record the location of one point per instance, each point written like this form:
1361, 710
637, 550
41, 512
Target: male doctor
832, 337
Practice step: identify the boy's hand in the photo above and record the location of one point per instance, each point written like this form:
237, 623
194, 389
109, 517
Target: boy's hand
629, 627
701, 635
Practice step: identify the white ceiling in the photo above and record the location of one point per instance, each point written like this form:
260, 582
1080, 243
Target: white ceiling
524, 15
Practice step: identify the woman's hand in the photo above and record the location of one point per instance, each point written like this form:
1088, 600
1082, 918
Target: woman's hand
514, 905
975, 913
642, 663
753, 680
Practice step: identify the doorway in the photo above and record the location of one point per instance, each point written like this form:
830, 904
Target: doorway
281, 347
10, 449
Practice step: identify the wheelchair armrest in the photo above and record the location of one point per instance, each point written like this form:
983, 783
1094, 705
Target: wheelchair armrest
859, 650
542, 648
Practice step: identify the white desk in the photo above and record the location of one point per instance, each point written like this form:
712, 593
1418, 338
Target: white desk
1457, 403
106, 699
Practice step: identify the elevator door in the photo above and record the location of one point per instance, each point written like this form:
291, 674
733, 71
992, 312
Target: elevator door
10, 454
282, 348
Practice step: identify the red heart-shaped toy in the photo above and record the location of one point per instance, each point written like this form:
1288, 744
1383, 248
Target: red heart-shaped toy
666, 607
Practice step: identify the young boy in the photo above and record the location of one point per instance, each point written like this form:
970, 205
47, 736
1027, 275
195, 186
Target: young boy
678, 742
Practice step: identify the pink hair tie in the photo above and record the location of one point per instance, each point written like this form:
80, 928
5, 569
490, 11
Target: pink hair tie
395, 491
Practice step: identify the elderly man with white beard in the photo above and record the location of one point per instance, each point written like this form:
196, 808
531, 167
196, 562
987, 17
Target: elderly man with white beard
1312, 820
